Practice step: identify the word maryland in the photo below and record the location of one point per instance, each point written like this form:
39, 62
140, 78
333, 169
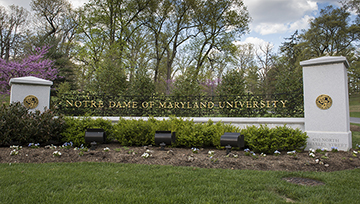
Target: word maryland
177, 105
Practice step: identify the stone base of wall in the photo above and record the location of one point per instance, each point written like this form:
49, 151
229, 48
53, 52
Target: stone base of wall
327, 140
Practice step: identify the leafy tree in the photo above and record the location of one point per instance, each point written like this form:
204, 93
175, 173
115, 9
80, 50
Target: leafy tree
205, 25
219, 23
105, 32
354, 75
330, 34
233, 83
353, 5
139, 55
12, 29
287, 67
186, 85
142, 85
59, 33
244, 59
51, 11
265, 58
171, 26
33, 65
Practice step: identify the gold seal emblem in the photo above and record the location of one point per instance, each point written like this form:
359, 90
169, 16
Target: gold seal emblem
31, 102
323, 101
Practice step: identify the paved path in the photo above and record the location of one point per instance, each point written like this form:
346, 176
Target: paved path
355, 120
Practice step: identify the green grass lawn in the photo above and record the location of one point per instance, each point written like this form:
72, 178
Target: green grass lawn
133, 183
354, 105
355, 139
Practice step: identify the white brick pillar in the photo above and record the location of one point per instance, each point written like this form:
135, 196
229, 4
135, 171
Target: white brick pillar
326, 103
31, 91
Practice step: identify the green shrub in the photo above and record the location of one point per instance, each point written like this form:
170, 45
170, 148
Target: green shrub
76, 127
267, 140
188, 133
134, 132
192, 134
45, 126
20, 125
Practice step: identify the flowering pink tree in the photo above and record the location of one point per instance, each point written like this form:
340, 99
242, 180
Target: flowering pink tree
33, 65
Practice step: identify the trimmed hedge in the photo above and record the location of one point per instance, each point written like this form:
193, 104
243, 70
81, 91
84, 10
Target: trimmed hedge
17, 124
281, 138
76, 127
188, 133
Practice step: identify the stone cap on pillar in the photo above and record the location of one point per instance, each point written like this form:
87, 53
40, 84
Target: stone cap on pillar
325, 60
30, 80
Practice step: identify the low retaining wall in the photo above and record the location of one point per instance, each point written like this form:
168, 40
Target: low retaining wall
239, 122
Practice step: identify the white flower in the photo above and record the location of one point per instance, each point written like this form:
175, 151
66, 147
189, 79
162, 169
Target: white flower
145, 155
292, 152
106, 149
236, 156
355, 152
311, 155
57, 153
14, 152
15, 147
317, 160
211, 152
194, 150
312, 150
262, 154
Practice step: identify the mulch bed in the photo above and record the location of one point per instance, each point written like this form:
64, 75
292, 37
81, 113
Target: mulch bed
324, 162
331, 161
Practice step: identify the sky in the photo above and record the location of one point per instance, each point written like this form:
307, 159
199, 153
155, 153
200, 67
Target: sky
272, 20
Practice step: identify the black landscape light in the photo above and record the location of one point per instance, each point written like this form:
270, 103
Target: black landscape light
232, 139
94, 136
164, 138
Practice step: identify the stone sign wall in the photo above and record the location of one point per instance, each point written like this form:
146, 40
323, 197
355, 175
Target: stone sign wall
326, 103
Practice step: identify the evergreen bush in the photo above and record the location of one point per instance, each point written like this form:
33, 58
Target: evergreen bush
17, 124
267, 140
76, 128
134, 132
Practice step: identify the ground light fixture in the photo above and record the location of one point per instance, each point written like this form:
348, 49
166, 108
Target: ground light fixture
94, 136
232, 139
164, 138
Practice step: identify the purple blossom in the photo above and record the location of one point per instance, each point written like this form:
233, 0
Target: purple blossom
210, 85
33, 65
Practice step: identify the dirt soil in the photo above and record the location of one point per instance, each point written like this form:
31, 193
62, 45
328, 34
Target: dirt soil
237, 159
329, 161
